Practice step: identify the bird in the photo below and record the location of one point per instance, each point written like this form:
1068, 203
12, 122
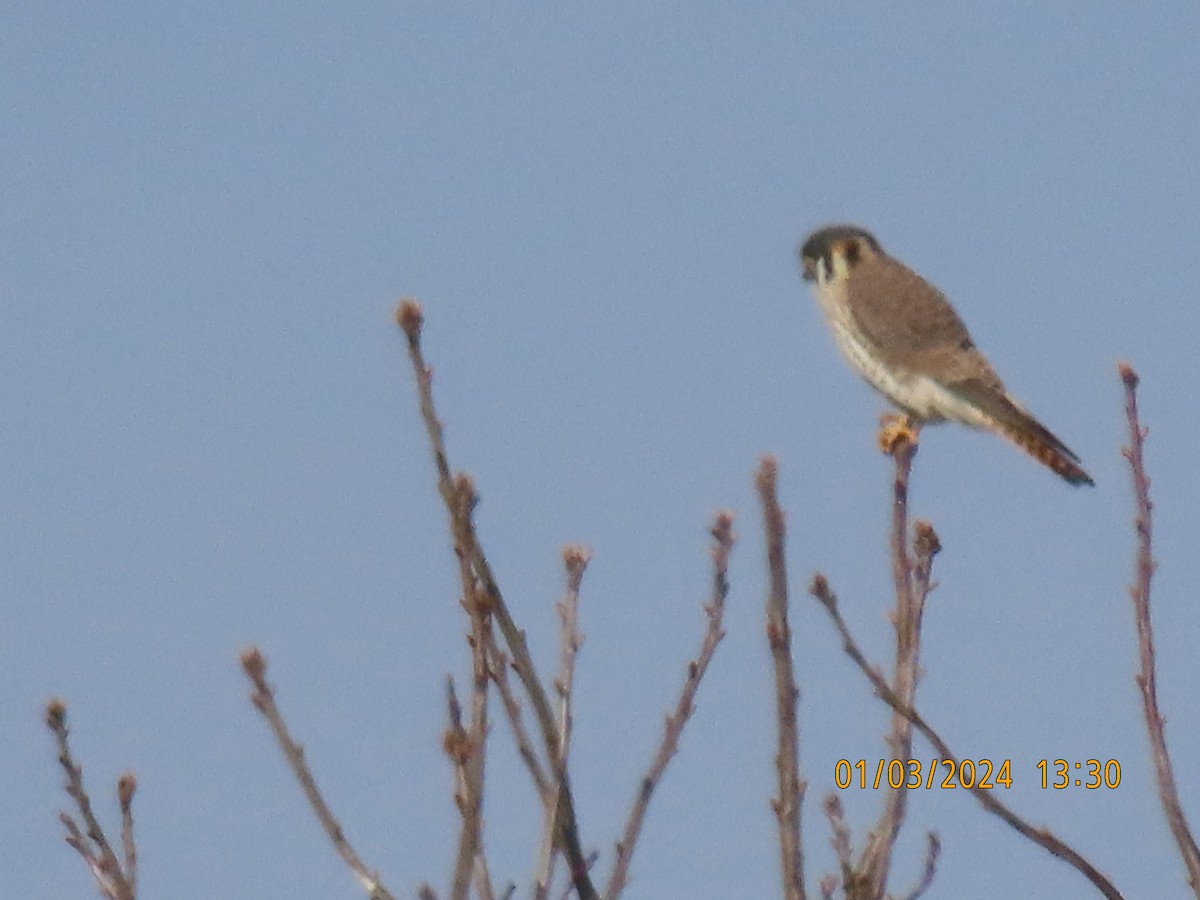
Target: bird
903, 336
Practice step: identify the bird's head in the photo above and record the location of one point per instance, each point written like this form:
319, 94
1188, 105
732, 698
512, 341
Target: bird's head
836, 249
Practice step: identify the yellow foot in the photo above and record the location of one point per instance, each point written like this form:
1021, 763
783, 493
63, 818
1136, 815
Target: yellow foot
896, 430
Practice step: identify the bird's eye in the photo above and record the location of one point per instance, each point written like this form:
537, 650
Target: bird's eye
852, 252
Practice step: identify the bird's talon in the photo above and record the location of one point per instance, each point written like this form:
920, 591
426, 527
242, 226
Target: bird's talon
896, 430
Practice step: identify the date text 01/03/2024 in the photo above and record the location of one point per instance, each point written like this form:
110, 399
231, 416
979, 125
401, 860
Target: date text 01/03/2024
979, 774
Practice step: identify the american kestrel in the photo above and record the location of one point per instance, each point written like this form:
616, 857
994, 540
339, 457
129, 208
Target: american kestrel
906, 340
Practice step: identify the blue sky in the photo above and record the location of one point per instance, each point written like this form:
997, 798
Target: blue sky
210, 435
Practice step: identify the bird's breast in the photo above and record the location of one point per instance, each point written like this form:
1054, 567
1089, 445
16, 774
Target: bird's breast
909, 391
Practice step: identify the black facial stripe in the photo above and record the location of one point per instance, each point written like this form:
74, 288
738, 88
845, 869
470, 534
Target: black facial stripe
853, 252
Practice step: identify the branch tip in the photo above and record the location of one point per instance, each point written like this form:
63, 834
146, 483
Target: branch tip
722, 527
56, 714
126, 787
410, 318
768, 470
819, 588
576, 556
1128, 375
925, 539
254, 664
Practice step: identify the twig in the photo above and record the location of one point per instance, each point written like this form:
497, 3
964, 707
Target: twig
932, 852
126, 788
723, 540
590, 859
254, 664
458, 494
471, 863
1139, 592
1040, 836
522, 661
470, 553
567, 825
788, 805
463, 747
113, 882
575, 560
483, 879
499, 664
841, 846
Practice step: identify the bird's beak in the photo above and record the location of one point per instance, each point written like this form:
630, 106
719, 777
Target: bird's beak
810, 269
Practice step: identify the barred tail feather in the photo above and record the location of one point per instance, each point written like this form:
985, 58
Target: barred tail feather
1014, 423
1052, 455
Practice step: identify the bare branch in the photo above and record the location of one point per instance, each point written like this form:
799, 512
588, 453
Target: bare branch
788, 805
126, 788
590, 860
723, 540
1041, 836
898, 439
113, 882
254, 664
471, 836
470, 553
483, 880
567, 827
575, 560
463, 747
842, 847
932, 852
1139, 592
499, 664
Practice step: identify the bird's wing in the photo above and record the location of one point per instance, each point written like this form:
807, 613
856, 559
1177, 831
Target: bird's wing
911, 324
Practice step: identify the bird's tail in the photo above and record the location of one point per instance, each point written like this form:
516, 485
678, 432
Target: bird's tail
1014, 423
1051, 453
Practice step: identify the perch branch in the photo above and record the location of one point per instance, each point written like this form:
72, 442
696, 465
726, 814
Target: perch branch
898, 438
